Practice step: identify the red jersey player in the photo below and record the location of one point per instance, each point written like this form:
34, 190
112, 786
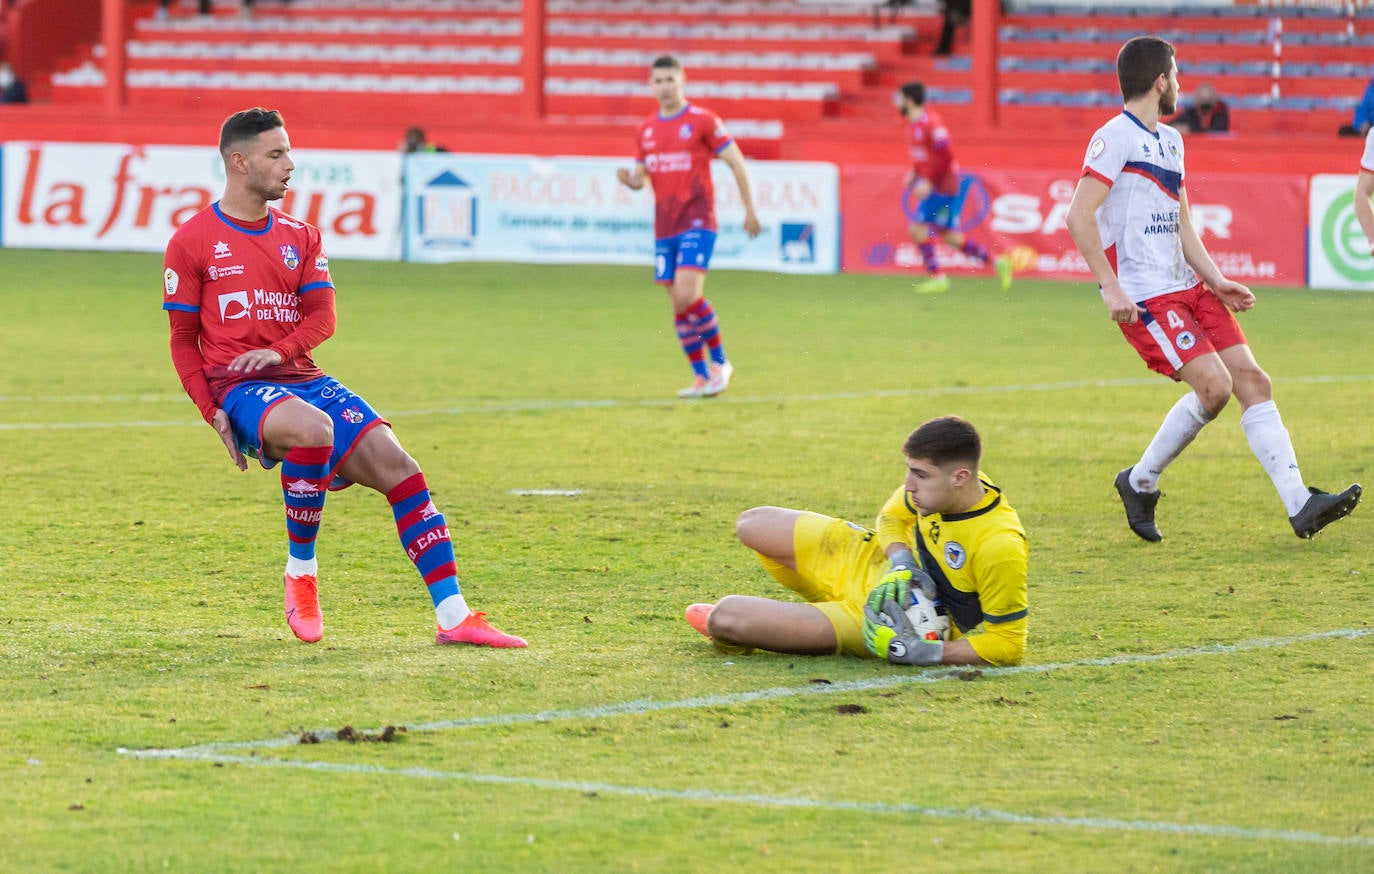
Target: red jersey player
935, 185
675, 148
248, 294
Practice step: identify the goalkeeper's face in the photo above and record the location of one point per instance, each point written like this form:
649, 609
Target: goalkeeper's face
267, 159
934, 489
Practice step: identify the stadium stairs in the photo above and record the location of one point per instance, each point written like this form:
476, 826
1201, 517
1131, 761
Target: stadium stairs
802, 79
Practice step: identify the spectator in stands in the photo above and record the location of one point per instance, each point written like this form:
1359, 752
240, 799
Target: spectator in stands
1208, 114
163, 5
1364, 114
418, 141
956, 14
675, 146
204, 7
12, 88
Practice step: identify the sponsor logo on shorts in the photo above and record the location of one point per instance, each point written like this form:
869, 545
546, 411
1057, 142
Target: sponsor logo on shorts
955, 555
1185, 340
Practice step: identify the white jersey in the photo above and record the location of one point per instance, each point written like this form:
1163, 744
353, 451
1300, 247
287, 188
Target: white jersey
1139, 220
1367, 161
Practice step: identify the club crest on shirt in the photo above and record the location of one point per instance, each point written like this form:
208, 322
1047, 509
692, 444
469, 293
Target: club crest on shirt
290, 257
955, 555
685, 131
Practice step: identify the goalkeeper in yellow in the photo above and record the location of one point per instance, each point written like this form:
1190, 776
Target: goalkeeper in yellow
947, 535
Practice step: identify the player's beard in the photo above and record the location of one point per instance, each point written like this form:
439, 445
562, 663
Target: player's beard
1168, 102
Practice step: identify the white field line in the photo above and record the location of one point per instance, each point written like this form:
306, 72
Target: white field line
708, 796
527, 405
219, 752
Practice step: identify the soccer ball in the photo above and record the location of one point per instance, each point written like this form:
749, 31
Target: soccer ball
922, 614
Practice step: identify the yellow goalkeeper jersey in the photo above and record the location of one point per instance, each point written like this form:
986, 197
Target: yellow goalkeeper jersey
979, 560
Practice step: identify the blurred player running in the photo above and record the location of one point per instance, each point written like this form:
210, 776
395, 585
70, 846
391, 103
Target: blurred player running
934, 183
248, 294
1129, 218
675, 147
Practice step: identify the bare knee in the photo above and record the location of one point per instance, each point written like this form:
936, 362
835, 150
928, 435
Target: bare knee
747, 524
1252, 386
727, 620
297, 424
1214, 395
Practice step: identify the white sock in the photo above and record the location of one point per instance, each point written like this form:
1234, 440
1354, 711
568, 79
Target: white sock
1271, 444
1181, 424
451, 611
298, 566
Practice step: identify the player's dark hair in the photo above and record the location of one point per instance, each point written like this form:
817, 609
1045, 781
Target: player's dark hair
944, 441
243, 126
915, 92
666, 62
1141, 61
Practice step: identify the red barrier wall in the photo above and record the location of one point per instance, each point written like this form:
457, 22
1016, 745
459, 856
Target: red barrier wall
838, 142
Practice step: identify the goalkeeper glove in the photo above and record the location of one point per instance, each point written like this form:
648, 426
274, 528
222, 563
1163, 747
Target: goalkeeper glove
897, 582
890, 635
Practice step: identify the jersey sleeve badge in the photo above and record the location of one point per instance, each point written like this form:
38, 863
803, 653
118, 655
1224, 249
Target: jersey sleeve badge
170, 281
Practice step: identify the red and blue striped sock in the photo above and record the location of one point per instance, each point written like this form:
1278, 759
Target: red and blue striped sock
702, 317
691, 344
304, 483
424, 534
976, 250
931, 260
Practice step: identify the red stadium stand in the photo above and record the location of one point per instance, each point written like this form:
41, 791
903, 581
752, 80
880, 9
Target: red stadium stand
790, 72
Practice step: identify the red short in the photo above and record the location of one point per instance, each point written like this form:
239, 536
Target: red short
1173, 329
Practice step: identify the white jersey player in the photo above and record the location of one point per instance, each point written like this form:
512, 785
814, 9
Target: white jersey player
1129, 218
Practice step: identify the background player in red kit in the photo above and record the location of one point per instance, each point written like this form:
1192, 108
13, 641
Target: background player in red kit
934, 182
675, 147
248, 293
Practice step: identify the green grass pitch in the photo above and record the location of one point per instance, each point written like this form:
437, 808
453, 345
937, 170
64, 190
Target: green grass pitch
1202, 704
